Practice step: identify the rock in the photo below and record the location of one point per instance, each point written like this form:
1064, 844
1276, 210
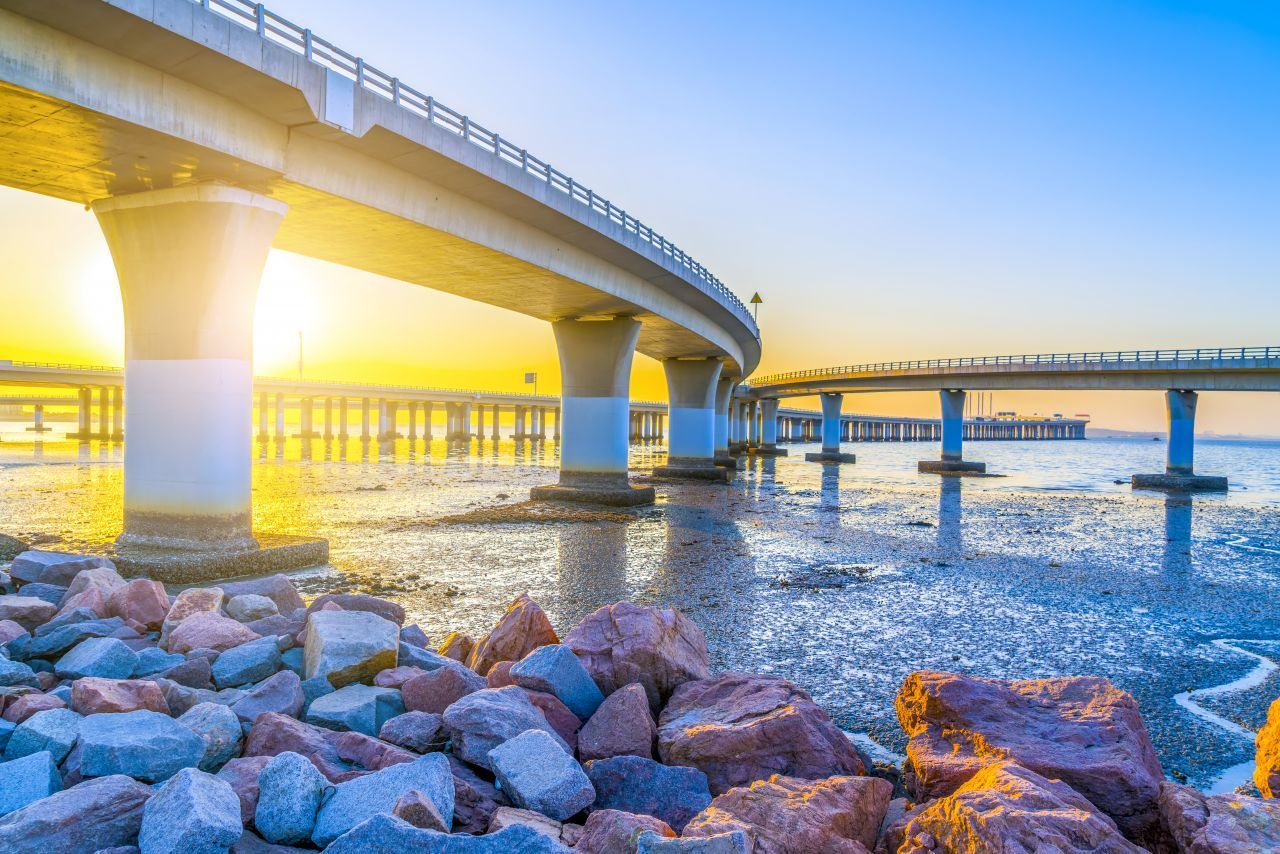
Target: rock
554, 669
193, 813
634, 784
10, 547
1005, 807
417, 809
281, 693
386, 834
246, 663
242, 774
292, 660
290, 793
413, 635
361, 603
209, 630
251, 843
457, 646
423, 659
141, 600
1218, 824
349, 646
280, 627
193, 600
104, 657
395, 677
154, 660
740, 728
481, 721
611, 831
193, 673
26, 611
92, 696
51, 593
564, 722
499, 676
59, 568
14, 673
28, 779
622, 726
56, 637
416, 731
55, 730
519, 631
313, 688
504, 817
1266, 772
1080, 730
734, 842
624, 643
369, 752
278, 588
92, 588
219, 729
273, 733
474, 800
356, 800
537, 774
91, 816
147, 746
26, 706
356, 707
841, 815
439, 689
248, 607
10, 630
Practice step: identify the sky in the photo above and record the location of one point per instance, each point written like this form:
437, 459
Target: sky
897, 180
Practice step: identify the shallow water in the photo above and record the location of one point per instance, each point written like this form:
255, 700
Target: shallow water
842, 578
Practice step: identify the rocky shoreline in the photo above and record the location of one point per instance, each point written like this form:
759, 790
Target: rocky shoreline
241, 718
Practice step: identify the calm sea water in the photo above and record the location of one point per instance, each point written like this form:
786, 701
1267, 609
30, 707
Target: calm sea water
842, 578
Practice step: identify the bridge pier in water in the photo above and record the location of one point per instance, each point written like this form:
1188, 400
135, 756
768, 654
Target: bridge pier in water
830, 453
691, 394
1179, 472
769, 429
952, 461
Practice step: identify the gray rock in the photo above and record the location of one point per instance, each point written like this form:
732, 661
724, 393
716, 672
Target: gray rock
556, 670
358, 799
479, 722
70, 617
62, 692
734, 842
247, 663
290, 792
537, 774
423, 659
219, 729
26, 611
356, 707
6, 730
193, 673
349, 646
416, 731
54, 643
292, 660
193, 813
248, 607
252, 843
25, 780
281, 693
634, 784
145, 745
53, 567
17, 673
154, 660
105, 657
413, 635
278, 588
91, 816
386, 834
242, 774
313, 688
54, 730
51, 593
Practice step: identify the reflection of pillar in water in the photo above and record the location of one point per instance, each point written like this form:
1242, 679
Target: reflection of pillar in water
1177, 533
950, 536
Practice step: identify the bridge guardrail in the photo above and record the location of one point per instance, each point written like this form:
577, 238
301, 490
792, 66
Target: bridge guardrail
1098, 357
301, 40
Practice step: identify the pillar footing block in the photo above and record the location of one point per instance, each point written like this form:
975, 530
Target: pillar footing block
1180, 482
950, 467
726, 462
737, 447
274, 553
612, 490
39, 429
692, 469
767, 451
830, 457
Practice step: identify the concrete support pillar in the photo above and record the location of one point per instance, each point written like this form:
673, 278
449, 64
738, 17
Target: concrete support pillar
427, 414
306, 425
464, 421
691, 392
342, 418
383, 431
84, 413
556, 415
480, 421
540, 418
497, 415
724, 392
519, 422
393, 419
769, 429
830, 452
413, 420
117, 413
279, 417
364, 418
328, 417
595, 371
189, 260
104, 413
952, 461
264, 415
1179, 471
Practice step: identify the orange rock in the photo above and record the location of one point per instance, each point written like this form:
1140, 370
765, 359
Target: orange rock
519, 631
457, 646
1267, 772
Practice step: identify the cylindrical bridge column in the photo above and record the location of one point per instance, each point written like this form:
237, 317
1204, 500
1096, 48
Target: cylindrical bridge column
427, 414
104, 412
830, 453
595, 371
84, 414
953, 426
189, 260
264, 414
1179, 471
117, 413
342, 418
724, 393
769, 428
691, 392
279, 417
364, 418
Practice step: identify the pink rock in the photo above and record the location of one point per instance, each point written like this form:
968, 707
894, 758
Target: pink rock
278, 588
622, 726
437, 690
92, 598
10, 630
499, 675
739, 728
504, 817
519, 631
91, 588
193, 600
564, 722
273, 733
242, 775
624, 643
92, 695
369, 752
28, 704
610, 831
416, 731
420, 811
384, 608
46, 680
840, 815
1081, 730
141, 602
1266, 771
458, 647
1218, 824
394, 677
27, 611
1005, 807
209, 630
475, 800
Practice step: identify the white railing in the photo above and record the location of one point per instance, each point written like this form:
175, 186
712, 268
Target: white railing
1101, 357
278, 30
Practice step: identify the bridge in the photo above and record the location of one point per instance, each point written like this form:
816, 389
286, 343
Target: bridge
1180, 373
201, 133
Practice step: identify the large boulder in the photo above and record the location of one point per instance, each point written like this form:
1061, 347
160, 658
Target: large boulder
219, 729
93, 696
475, 800
10, 547
194, 812
209, 630
388, 834
1218, 824
481, 721
242, 774
356, 800
556, 670
521, 629
362, 603
349, 646
458, 646
54, 730
58, 568
1005, 807
622, 726
280, 693
786, 815
610, 831
27, 611
356, 707
91, 588
624, 643
437, 690
247, 663
564, 722
416, 731
193, 600
740, 728
18, 710
634, 784
272, 734
290, 791
147, 746
140, 601
1266, 771
14, 673
92, 816
108, 658
1081, 730
370, 753
537, 774
248, 607
278, 588
25, 780
733, 842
